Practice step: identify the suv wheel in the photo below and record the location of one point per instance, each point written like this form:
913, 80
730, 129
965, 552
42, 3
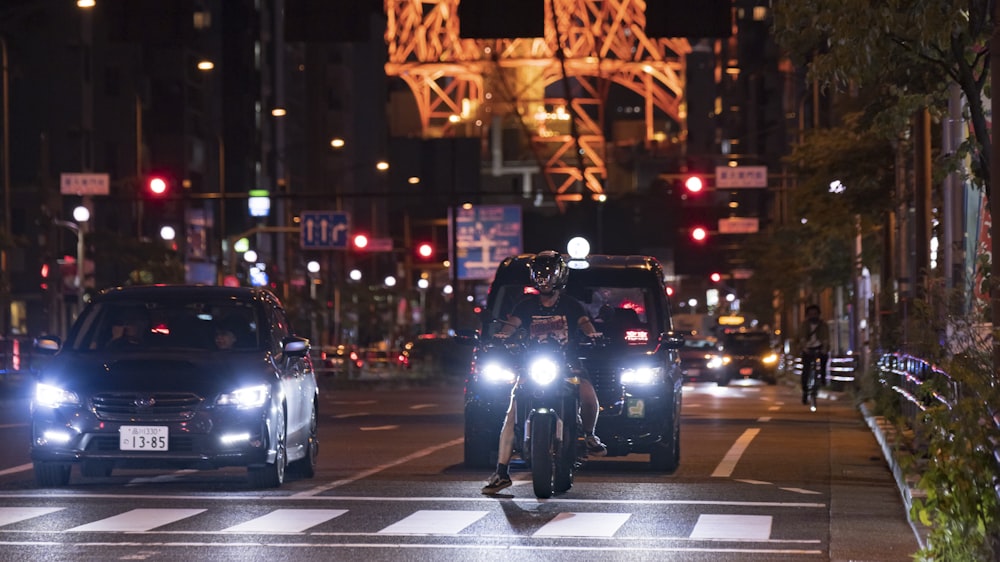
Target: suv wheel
665, 455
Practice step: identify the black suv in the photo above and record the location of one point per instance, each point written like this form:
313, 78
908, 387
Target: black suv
637, 373
176, 377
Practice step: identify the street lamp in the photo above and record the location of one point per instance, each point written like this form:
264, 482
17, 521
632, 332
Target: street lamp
81, 215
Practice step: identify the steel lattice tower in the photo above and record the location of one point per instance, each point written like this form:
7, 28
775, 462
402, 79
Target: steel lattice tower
471, 87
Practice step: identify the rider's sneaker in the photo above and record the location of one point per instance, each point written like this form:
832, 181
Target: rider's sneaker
496, 483
594, 446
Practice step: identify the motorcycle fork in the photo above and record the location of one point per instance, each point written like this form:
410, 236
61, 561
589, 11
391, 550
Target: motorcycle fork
527, 428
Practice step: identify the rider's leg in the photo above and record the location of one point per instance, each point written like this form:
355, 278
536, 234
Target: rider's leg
507, 437
500, 479
588, 406
821, 375
589, 409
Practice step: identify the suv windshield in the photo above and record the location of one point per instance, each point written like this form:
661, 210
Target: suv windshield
138, 326
622, 312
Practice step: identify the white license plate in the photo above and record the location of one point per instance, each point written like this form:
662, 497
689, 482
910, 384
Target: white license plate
694, 372
143, 437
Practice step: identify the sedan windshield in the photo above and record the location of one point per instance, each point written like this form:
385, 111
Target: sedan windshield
141, 326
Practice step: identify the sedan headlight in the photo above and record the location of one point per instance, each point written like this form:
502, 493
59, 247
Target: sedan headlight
543, 371
642, 375
498, 372
247, 397
52, 396
770, 359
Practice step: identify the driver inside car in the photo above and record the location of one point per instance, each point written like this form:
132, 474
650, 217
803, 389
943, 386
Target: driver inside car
550, 313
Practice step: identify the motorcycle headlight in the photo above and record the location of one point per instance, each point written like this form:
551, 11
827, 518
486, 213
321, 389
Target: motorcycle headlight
770, 359
498, 372
247, 397
543, 371
52, 396
642, 375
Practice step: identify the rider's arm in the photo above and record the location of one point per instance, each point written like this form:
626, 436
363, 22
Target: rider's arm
587, 327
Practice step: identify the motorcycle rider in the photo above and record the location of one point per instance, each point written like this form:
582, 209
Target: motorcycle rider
553, 313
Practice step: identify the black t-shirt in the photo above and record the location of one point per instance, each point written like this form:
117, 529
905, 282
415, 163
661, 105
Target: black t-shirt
561, 321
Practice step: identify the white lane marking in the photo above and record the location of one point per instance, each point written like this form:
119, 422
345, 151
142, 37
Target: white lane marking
142, 519
754, 482
613, 551
764, 419
434, 522
728, 464
351, 402
379, 428
12, 425
16, 469
354, 415
310, 495
732, 527
375, 470
10, 515
773, 408
422, 406
286, 521
583, 525
801, 491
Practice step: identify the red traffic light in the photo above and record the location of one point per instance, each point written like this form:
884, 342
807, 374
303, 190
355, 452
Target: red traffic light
716, 277
360, 241
425, 250
699, 234
694, 184
157, 185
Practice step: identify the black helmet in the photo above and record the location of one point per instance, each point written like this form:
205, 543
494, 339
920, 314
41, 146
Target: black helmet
548, 271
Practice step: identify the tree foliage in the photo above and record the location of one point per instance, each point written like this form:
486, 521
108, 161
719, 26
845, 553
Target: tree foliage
907, 51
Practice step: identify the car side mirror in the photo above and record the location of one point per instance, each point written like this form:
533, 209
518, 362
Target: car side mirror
672, 340
294, 346
47, 345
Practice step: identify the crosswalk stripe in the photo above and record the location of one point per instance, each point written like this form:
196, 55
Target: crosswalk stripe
286, 521
732, 527
583, 525
138, 520
429, 521
10, 515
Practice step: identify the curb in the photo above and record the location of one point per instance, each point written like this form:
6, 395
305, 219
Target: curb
889, 439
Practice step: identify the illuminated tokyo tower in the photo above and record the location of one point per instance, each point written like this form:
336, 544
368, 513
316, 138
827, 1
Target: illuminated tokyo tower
551, 91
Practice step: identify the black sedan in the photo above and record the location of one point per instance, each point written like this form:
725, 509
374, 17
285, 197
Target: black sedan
176, 377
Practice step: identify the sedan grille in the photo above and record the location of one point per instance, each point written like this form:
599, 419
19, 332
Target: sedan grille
127, 406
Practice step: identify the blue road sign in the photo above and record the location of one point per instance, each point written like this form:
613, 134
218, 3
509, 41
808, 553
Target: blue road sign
325, 230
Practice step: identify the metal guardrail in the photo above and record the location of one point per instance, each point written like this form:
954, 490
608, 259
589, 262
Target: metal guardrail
906, 375
840, 369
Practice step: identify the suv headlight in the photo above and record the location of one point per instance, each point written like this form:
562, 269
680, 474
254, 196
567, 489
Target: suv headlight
770, 359
497, 372
642, 375
246, 397
51, 396
718, 361
543, 371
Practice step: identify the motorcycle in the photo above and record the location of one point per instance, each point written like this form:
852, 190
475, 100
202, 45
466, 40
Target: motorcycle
548, 430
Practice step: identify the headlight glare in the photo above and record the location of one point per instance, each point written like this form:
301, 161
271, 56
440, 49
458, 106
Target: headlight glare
247, 397
770, 359
498, 372
543, 371
642, 375
52, 396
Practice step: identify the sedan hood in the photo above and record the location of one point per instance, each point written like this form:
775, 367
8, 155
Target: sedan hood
156, 372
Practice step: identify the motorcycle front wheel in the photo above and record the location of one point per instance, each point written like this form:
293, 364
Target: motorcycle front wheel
542, 457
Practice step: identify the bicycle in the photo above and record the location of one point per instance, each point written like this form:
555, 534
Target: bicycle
812, 364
